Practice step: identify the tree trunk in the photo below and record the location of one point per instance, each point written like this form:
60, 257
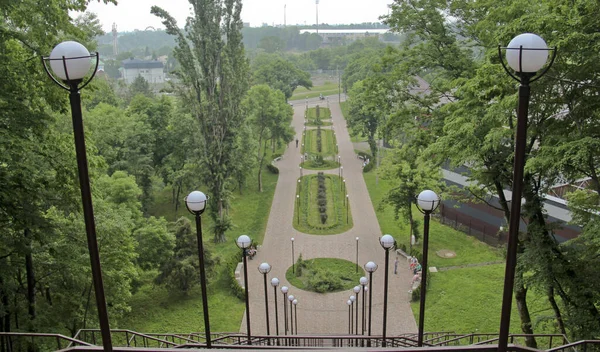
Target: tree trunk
559, 320
30, 276
521, 298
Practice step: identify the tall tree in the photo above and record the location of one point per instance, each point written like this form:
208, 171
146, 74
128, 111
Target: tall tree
279, 73
270, 118
214, 80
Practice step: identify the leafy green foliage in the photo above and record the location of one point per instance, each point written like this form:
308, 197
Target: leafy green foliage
324, 275
279, 73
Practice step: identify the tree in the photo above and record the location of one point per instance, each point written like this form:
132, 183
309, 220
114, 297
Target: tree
270, 117
271, 44
214, 79
279, 73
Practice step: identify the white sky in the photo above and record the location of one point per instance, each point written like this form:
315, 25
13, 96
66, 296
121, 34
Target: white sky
135, 14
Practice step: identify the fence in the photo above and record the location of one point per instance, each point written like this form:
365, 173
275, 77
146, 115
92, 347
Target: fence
472, 226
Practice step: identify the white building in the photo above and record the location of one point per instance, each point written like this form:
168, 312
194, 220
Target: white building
331, 35
151, 71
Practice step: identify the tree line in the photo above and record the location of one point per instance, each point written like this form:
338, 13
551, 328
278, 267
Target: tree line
467, 117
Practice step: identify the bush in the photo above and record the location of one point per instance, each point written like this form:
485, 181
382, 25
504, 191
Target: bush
415, 296
323, 218
273, 169
368, 167
238, 291
276, 155
324, 281
364, 155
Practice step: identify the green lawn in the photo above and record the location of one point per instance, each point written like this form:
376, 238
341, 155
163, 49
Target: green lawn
468, 249
153, 309
325, 275
324, 113
469, 300
328, 142
326, 89
339, 219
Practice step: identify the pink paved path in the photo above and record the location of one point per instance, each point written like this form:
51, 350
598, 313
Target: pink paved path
326, 313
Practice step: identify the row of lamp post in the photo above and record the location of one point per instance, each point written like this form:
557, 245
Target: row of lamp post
526, 54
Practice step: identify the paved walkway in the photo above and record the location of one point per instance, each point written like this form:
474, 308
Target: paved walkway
326, 313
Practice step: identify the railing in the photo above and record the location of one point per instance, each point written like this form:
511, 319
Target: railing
127, 338
26, 341
579, 346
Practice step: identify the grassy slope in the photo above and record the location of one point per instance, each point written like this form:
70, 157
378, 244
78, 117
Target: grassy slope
153, 309
341, 269
326, 89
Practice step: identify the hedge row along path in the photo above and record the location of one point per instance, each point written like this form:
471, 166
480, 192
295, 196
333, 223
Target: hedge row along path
325, 313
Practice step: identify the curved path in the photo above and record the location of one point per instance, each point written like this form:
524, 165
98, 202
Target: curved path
326, 313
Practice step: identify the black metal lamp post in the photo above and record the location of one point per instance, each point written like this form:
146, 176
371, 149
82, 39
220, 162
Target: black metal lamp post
293, 261
356, 254
196, 204
427, 202
265, 268
347, 208
298, 207
370, 267
291, 299
275, 283
244, 243
363, 282
295, 303
71, 62
526, 54
356, 291
387, 242
284, 290
352, 299
349, 302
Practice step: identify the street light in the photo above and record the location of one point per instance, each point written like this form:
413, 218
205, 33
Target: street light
347, 206
293, 262
70, 62
363, 282
196, 204
387, 242
275, 283
356, 290
244, 243
291, 299
299, 186
370, 267
526, 54
356, 254
295, 302
341, 171
343, 186
265, 268
301, 168
349, 302
427, 202
284, 290
352, 299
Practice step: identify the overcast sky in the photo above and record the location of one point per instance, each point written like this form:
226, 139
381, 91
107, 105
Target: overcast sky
135, 14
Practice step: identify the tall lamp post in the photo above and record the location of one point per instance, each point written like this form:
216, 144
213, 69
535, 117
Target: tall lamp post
196, 204
427, 202
275, 283
70, 62
352, 299
387, 242
363, 282
265, 268
349, 302
526, 54
291, 299
356, 290
244, 243
347, 208
298, 207
370, 267
293, 261
295, 303
284, 290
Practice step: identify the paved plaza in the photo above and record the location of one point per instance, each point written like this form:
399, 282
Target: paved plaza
326, 313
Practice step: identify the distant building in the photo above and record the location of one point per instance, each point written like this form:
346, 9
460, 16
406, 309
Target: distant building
335, 35
152, 71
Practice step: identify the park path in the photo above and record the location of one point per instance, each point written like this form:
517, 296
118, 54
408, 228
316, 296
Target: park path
325, 313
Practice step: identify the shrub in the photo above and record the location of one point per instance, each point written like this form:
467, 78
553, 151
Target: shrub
273, 169
323, 218
276, 155
368, 167
324, 281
